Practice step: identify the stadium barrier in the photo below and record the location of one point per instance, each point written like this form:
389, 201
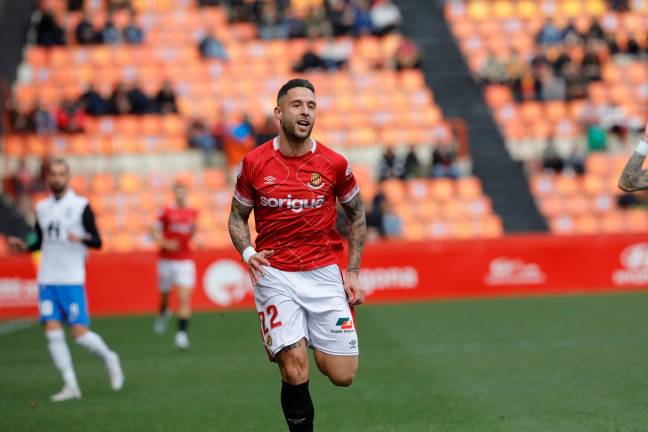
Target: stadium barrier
393, 271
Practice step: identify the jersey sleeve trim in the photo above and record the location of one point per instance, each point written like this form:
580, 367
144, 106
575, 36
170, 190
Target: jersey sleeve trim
350, 195
240, 198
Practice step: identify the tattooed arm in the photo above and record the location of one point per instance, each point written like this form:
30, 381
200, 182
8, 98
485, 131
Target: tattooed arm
239, 231
633, 178
357, 236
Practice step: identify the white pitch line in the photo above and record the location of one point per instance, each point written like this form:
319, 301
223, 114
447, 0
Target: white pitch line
16, 325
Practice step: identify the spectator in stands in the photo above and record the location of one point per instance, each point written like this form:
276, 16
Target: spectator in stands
570, 34
212, 48
515, 69
140, 103
239, 140
85, 33
75, 5
575, 82
362, 24
412, 165
391, 166
619, 5
342, 17
295, 25
444, 161
392, 226
43, 120
553, 87
309, 61
165, 101
591, 64
48, 31
575, 162
557, 60
595, 32
133, 33
385, 17
119, 103
407, 56
493, 70
317, 23
21, 180
115, 5
70, 117
219, 130
335, 53
93, 102
198, 136
267, 131
551, 160
110, 34
549, 34
19, 119
272, 25
375, 213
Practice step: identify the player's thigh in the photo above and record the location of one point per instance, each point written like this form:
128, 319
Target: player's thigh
341, 370
165, 275
331, 321
74, 304
282, 319
184, 275
49, 308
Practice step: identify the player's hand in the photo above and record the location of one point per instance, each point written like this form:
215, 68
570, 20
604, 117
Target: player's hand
16, 245
353, 289
170, 245
74, 238
256, 263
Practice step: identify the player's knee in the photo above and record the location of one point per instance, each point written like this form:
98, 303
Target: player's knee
342, 378
294, 370
78, 331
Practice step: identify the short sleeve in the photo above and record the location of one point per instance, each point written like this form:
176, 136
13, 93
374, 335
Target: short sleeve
243, 191
346, 187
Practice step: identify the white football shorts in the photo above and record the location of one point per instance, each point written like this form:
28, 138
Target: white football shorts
180, 273
307, 304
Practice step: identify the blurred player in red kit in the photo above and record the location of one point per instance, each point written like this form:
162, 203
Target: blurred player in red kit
173, 232
292, 183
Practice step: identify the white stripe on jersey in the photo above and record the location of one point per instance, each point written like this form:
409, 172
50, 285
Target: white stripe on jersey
62, 262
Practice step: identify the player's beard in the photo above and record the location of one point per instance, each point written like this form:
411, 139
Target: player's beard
58, 189
293, 134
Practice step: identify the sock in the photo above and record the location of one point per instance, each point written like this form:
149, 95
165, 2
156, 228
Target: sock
95, 344
61, 356
297, 407
183, 324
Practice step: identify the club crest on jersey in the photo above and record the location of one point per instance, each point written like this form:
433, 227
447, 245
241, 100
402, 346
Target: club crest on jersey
315, 181
268, 340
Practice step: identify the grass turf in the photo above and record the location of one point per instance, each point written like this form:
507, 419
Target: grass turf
575, 363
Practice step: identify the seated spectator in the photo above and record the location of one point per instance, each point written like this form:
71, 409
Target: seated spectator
19, 120
198, 136
85, 32
212, 48
493, 70
575, 162
119, 102
70, 118
412, 164
575, 82
310, 60
267, 131
632, 46
219, 130
21, 180
48, 31
570, 34
591, 65
551, 160
619, 5
407, 56
627, 201
527, 86
335, 53
558, 58
391, 166
375, 213
295, 25
317, 23
110, 35
239, 141
362, 24
133, 33
43, 120
271, 24
549, 34
342, 17
94, 104
595, 32
553, 87
444, 161
392, 226
165, 101
514, 66
75, 5
385, 17
140, 103
115, 5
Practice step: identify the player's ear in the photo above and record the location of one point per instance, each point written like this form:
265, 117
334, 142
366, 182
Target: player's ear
277, 113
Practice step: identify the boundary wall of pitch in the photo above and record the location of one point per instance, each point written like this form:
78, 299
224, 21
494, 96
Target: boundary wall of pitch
393, 271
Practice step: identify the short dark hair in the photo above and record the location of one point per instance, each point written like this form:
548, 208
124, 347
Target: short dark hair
294, 83
59, 161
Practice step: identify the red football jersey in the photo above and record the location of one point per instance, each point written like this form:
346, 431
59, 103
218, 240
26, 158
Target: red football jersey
294, 203
178, 224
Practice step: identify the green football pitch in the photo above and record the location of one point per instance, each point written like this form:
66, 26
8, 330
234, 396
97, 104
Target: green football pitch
549, 364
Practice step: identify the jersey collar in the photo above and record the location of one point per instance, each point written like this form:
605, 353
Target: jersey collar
275, 144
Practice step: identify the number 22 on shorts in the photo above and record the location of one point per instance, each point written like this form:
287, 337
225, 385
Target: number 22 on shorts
272, 313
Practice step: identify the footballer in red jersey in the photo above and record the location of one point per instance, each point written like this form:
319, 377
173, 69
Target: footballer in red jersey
173, 232
293, 183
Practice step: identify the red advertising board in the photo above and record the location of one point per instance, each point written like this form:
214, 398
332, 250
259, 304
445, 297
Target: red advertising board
392, 272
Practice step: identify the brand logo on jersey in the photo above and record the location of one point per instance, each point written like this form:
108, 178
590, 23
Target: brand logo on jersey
269, 180
315, 181
296, 205
634, 260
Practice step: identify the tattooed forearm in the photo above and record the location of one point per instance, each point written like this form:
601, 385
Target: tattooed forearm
357, 231
633, 178
239, 229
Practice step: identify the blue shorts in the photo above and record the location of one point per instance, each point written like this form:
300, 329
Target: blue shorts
64, 303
